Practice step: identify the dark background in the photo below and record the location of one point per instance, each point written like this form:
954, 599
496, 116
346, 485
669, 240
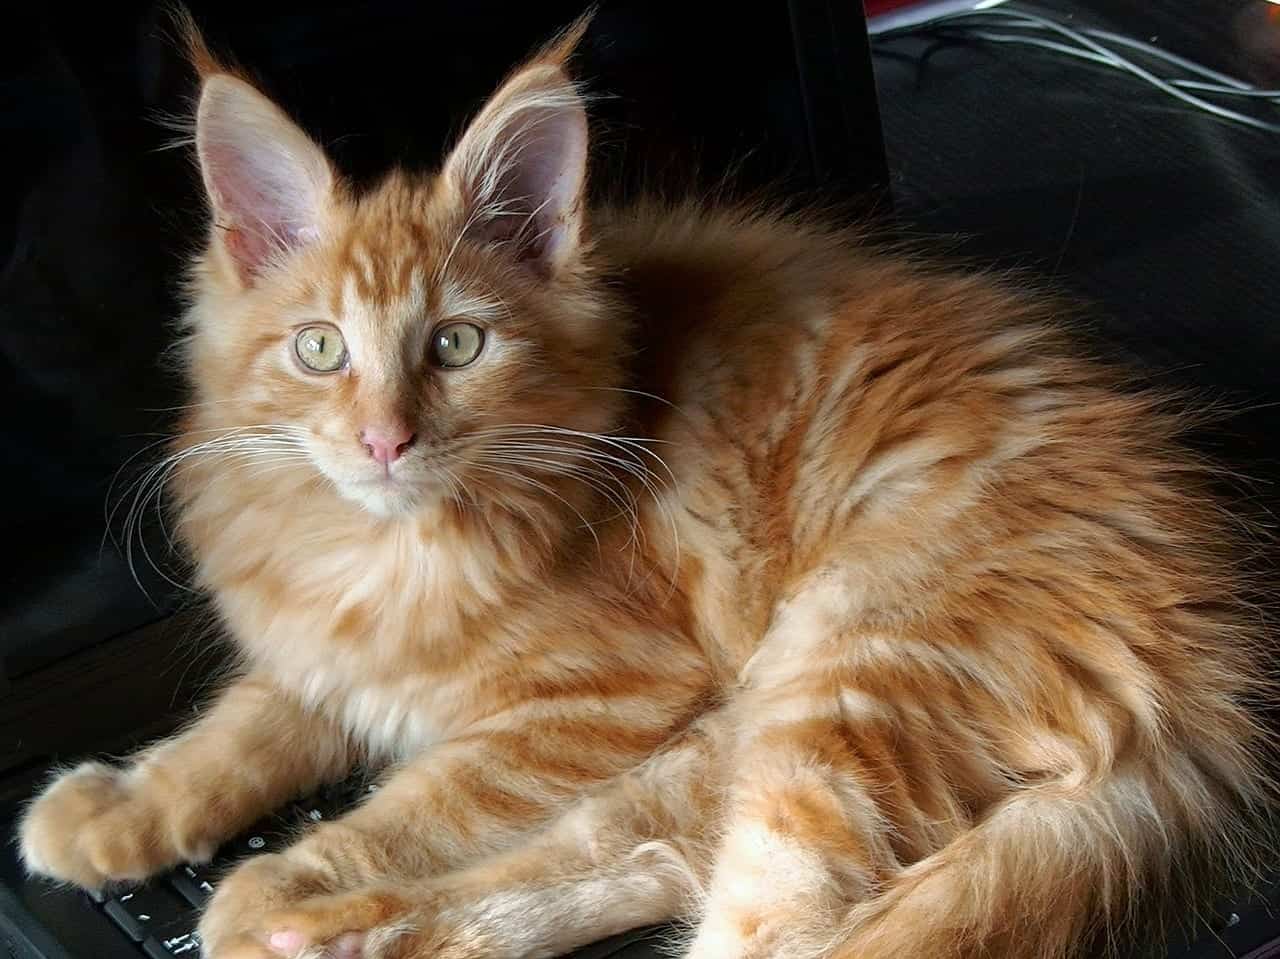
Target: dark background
1168, 219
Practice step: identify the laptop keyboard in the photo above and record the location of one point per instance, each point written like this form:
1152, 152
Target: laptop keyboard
161, 916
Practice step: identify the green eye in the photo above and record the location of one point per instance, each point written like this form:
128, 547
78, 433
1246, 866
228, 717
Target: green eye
321, 349
456, 344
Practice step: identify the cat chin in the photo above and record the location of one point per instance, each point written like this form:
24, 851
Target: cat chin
385, 500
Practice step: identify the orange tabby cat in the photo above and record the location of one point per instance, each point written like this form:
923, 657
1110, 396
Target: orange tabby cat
680, 562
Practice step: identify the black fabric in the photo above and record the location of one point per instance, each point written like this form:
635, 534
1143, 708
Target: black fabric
1163, 221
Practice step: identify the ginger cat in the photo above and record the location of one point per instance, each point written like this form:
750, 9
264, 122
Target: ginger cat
679, 561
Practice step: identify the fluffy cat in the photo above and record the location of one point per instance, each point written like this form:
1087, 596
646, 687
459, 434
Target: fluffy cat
680, 561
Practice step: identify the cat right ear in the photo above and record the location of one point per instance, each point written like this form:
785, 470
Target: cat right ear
269, 185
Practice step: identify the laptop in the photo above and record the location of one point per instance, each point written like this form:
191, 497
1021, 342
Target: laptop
101, 647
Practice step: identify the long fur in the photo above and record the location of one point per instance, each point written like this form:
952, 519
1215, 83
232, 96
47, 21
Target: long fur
819, 598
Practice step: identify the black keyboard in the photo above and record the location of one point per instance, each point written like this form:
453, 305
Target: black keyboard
158, 920
39, 920
161, 916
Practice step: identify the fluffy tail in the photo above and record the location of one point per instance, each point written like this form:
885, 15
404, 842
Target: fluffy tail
1055, 869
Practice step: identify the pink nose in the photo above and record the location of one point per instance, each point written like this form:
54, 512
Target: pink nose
386, 443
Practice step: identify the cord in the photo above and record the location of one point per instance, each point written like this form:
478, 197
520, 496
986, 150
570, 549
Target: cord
1091, 45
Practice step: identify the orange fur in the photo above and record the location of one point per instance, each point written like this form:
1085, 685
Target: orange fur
829, 602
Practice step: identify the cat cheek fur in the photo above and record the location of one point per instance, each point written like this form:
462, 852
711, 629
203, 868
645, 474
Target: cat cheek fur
915, 636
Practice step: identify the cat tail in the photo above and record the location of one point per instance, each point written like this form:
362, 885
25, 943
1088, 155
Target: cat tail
1054, 870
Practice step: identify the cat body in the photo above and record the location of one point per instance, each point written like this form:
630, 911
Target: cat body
679, 561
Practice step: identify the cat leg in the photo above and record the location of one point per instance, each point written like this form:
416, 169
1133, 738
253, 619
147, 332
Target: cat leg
814, 759
844, 840
179, 799
632, 854
803, 840
471, 796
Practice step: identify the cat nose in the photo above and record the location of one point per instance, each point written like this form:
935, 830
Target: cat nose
387, 442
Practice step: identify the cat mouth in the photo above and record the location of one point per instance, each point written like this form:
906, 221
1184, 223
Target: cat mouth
383, 495
388, 482
396, 492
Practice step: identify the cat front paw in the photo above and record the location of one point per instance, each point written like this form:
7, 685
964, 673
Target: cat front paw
232, 926
92, 825
370, 923
324, 897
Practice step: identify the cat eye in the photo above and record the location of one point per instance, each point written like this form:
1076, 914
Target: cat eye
320, 349
456, 344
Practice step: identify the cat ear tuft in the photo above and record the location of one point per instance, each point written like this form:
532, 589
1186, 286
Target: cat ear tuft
187, 36
520, 167
269, 185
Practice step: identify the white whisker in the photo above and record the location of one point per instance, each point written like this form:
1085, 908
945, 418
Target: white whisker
597, 460
266, 446
550, 492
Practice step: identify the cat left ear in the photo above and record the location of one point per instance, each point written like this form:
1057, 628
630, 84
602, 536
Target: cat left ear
520, 168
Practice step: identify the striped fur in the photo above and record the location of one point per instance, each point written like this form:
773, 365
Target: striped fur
823, 601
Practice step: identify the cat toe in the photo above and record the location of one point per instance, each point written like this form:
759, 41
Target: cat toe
291, 943
349, 945
347, 926
287, 942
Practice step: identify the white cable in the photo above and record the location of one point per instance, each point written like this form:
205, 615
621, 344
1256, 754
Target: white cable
1220, 79
1053, 45
1092, 51
1070, 51
944, 9
1226, 91
1131, 67
1224, 84
1196, 68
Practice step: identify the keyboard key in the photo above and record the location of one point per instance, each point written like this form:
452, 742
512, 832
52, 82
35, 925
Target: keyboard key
315, 809
193, 883
178, 939
268, 835
145, 909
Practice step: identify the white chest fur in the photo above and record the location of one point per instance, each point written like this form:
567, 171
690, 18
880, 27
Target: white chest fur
356, 621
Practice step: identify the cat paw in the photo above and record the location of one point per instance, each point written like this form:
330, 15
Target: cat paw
91, 827
373, 923
233, 921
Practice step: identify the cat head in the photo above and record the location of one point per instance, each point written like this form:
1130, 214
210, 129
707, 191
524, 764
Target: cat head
392, 337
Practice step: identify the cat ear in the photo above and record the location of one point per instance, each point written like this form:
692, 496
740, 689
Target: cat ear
520, 167
269, 185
